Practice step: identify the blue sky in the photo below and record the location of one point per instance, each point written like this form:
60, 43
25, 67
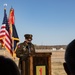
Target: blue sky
52, 22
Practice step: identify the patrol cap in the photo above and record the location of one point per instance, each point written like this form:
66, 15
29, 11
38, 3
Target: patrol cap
70, 56
28, 36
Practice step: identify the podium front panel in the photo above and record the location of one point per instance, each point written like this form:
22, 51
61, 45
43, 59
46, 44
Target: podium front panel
42, 64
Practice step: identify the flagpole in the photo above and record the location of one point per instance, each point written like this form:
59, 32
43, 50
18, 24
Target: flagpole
5, 5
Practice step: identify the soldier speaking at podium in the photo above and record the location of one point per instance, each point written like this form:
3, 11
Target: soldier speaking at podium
23, 51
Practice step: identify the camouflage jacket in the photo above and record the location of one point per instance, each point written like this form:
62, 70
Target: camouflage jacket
24, 49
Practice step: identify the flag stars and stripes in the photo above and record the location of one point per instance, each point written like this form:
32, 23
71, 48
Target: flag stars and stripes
4, 33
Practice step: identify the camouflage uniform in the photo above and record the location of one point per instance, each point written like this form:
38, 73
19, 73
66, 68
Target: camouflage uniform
23, 51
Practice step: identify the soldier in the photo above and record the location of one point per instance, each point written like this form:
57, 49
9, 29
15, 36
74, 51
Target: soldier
23, 51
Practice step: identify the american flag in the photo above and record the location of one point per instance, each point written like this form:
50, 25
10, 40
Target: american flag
4, 34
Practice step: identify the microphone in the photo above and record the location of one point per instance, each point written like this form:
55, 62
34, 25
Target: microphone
29, 47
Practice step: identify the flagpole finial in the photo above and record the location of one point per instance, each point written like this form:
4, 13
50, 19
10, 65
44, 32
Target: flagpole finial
5, 5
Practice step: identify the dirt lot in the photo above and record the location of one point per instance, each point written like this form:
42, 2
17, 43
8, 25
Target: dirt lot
57, 68
57, 63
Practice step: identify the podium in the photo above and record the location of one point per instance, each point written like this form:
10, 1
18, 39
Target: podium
37, 64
